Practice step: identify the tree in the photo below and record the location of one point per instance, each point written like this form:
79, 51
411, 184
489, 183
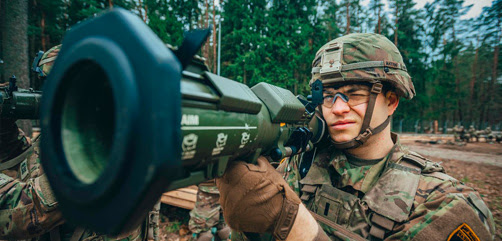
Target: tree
377, 7
491, 18
354, 17
443, 20
243, 43
15, 30
15, 46
330, 20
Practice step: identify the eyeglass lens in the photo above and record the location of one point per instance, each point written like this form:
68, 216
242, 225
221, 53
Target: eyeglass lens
352, 99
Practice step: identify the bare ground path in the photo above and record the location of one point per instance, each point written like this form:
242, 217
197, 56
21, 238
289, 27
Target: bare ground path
478, 165
467, 156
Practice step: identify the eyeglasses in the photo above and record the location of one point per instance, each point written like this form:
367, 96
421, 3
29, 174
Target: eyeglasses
352, 99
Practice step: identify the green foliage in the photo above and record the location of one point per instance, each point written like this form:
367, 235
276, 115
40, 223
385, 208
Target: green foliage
453, 62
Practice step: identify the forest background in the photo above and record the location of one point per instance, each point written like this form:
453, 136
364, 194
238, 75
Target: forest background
453, 62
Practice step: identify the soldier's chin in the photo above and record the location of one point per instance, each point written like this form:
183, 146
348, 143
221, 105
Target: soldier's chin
342, 137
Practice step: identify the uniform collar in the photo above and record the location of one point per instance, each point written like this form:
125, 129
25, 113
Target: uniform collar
331, 167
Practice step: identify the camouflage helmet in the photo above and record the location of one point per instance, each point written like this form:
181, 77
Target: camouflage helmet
362, 57
47, 60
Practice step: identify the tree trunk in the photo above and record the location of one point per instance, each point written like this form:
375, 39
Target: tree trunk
244, 80
206, 24
15, 41
146, 12
110, 3
2, 13
491, 102
140, 10
15, 46
348, 18
395, 24
42, 32
379, 24
214, 39
295, 85
473, 77
472, 83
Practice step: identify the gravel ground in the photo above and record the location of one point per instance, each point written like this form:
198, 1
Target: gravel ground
479, 165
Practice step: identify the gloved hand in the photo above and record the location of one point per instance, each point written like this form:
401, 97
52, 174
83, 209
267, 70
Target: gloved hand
10, 143
255, 198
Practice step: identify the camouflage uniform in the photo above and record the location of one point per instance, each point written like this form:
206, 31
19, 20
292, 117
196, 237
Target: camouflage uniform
28, 209
473, 133
489, 134
402, 197
459, 133
206, 213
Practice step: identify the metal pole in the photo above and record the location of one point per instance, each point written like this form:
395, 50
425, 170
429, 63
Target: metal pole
219, 45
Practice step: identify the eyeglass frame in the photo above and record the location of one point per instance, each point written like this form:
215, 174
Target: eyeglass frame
345, 98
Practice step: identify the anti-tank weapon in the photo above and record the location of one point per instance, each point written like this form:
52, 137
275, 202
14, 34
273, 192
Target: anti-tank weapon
124, 119
18, 103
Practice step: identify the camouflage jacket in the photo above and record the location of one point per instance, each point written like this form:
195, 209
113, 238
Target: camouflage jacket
402, 197
28, 209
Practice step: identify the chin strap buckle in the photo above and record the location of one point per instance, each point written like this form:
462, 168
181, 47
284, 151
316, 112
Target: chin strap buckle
363, 137
377, 88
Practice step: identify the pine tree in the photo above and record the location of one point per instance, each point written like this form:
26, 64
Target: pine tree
443, 20
354, 16
491, 18
408, 36
330, 19
243, 40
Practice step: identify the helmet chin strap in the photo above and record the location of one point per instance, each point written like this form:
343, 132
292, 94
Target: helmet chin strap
366, 131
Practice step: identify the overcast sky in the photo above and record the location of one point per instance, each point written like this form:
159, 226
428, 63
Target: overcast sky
474, 12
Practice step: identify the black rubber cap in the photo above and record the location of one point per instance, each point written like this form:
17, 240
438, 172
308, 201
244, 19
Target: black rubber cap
143, 151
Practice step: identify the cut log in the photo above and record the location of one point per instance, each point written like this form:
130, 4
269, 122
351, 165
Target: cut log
182, 198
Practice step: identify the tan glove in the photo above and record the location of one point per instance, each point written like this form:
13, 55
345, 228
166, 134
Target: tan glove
255, 198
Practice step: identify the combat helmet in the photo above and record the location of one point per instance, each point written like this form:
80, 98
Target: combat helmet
361, 58
46, 61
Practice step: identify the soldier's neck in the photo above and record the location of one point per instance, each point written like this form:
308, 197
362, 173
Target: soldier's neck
377, 146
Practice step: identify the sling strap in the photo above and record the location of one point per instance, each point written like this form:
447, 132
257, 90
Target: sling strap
338, 229
15, 161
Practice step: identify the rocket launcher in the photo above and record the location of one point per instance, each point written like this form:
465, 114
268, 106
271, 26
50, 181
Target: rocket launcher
124, 119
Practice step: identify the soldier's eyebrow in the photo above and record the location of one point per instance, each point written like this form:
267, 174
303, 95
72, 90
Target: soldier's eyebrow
350, 90
355, 88
330, 91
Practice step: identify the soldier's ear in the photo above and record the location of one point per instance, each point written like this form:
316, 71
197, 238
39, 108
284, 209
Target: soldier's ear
392, 101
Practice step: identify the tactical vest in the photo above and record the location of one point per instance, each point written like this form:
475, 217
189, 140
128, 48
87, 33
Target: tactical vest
26, 166
375, 214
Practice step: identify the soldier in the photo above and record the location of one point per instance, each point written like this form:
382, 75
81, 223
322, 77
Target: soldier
489, 135
473, 134
462, 134
361, 183
28, 209
498, 137
456, 133
206, 221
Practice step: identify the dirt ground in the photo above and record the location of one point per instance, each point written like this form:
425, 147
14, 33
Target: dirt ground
479, 165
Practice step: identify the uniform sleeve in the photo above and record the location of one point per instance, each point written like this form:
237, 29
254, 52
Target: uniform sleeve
446, 210
288, 168
27, 209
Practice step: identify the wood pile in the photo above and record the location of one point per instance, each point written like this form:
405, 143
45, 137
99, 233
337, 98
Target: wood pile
182, 198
